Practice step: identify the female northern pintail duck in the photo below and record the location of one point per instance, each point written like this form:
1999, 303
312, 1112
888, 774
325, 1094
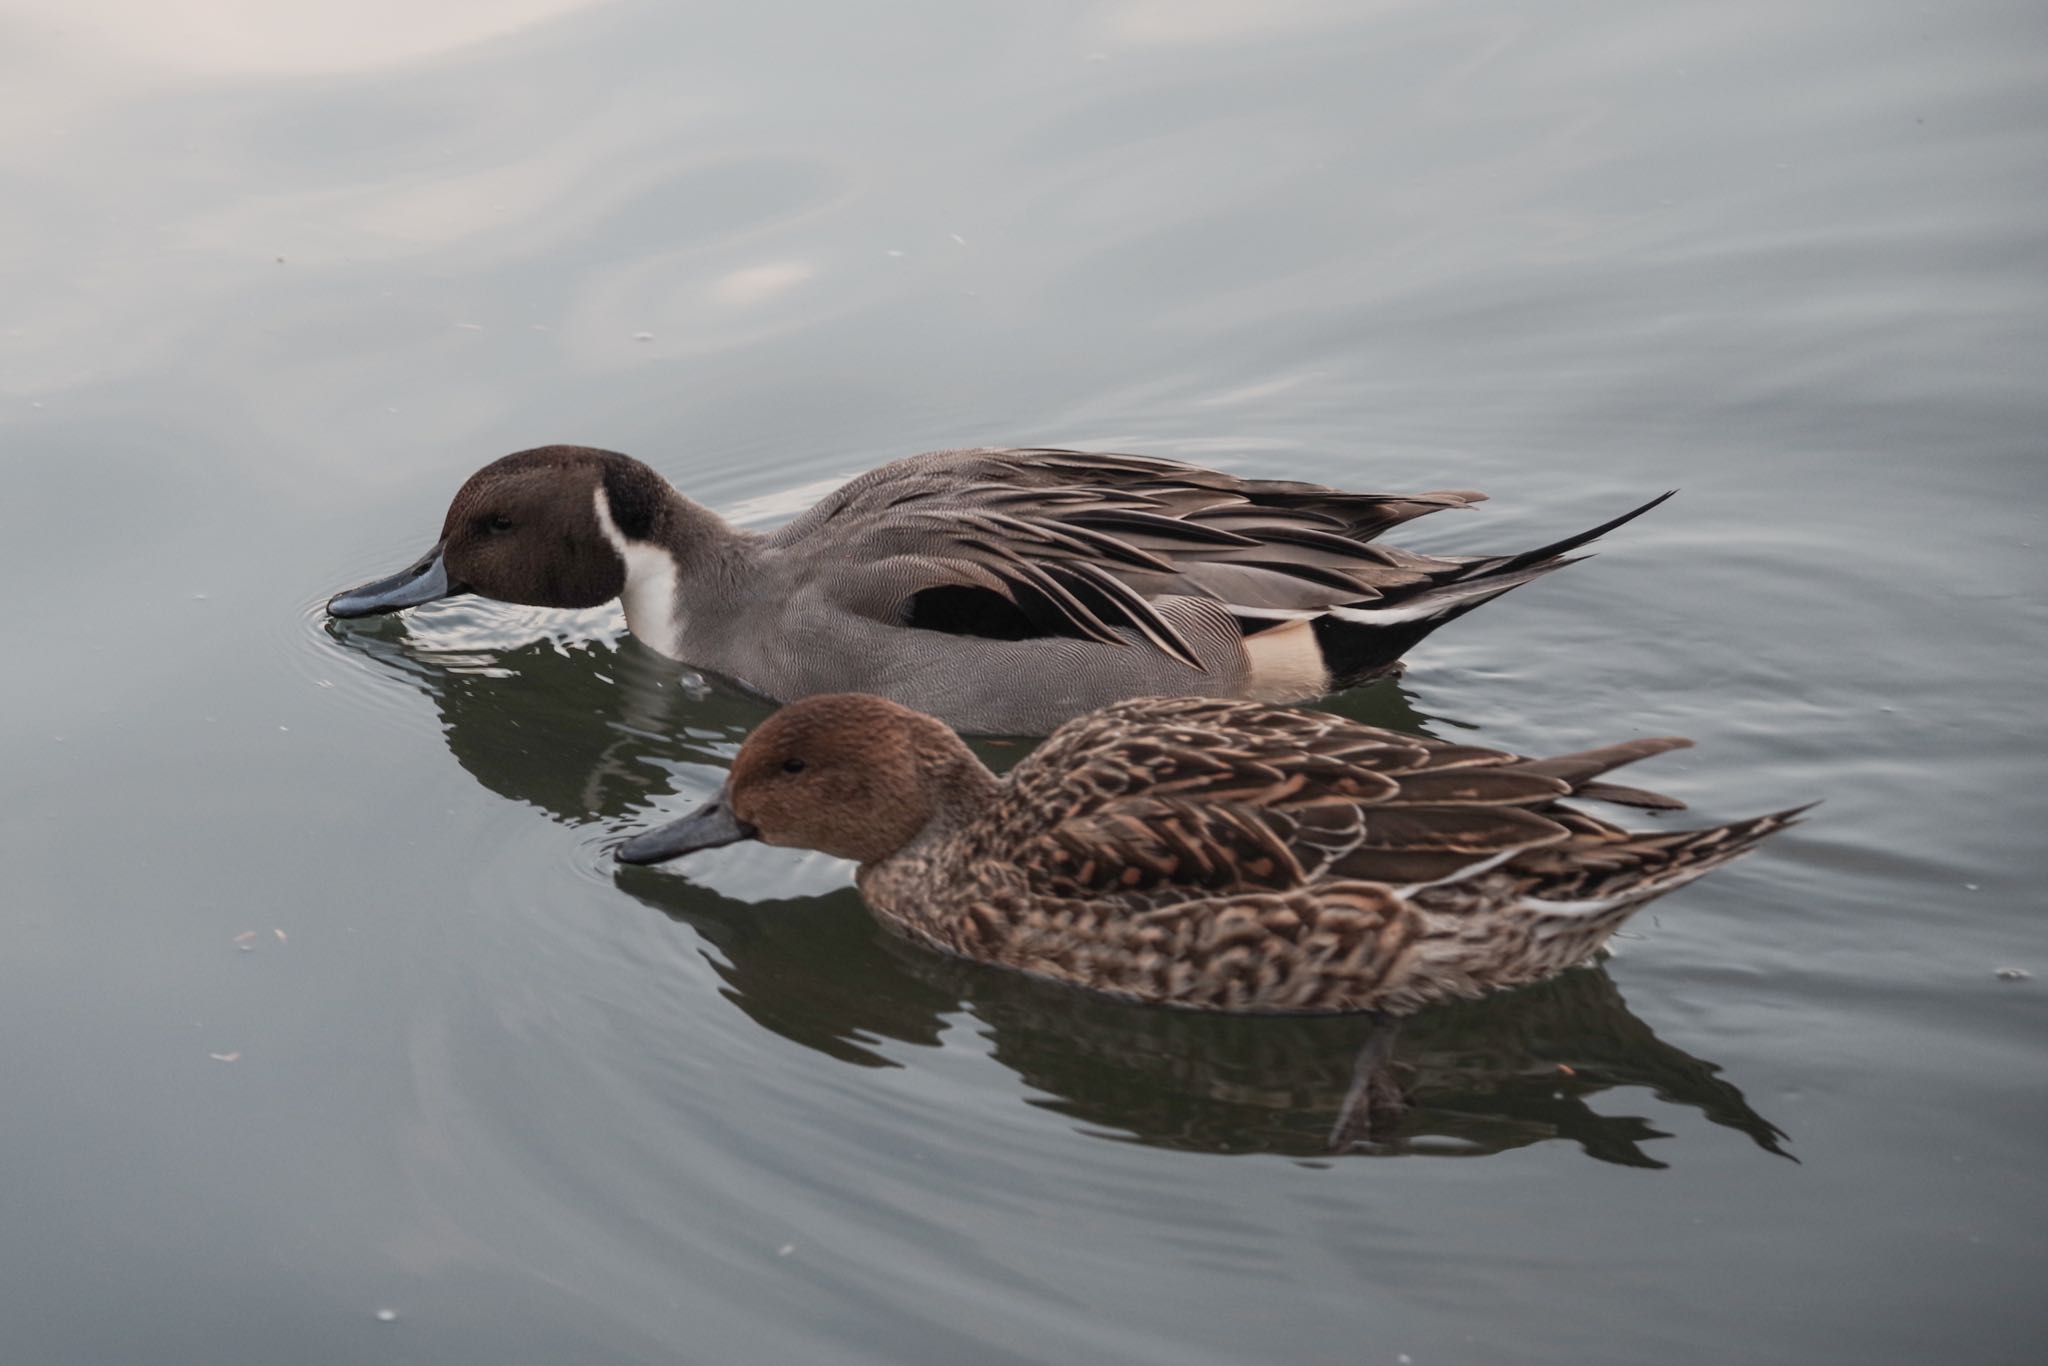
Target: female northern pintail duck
1215, 855
1002, 590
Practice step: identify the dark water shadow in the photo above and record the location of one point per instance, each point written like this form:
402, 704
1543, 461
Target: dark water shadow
579, 730
587, 735
588, 731
1484, 1077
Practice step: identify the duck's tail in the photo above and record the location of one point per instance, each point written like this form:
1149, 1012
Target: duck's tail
1650, 863
1571, 922
1362, 641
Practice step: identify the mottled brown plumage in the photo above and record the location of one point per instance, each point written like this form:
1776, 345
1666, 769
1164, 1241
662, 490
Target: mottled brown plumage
1218, 855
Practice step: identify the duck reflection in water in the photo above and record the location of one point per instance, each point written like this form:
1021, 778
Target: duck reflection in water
579, 732
541, 708
1479, 1077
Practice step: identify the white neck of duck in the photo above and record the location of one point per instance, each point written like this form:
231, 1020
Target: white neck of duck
695, 562
654, 613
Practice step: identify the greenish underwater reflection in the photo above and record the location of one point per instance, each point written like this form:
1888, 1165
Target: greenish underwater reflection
579, 731
589, 736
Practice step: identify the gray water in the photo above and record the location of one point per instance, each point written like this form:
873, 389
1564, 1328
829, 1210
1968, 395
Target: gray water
328, 1032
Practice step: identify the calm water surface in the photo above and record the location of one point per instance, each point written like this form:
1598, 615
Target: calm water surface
320, 999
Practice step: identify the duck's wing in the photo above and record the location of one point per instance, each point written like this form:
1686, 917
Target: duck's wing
1203, 795
1022, 543
1142, 846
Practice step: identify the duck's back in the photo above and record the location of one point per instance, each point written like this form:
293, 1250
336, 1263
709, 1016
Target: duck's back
1007, 590
1225, 855
1167, 797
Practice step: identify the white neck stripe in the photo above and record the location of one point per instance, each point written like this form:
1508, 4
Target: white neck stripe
652, 611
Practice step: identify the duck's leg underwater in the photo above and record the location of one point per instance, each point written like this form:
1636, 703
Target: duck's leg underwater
1375, 1103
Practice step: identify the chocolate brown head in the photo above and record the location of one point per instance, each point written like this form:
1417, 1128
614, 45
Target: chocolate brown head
846, 774
531, 528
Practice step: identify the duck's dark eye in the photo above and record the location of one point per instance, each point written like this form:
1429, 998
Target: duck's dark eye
792, 765
499, 523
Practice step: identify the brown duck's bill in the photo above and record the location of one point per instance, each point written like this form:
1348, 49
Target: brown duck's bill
709, 826
424, 580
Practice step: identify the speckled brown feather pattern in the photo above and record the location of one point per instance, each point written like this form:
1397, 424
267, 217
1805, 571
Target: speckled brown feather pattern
1220, 855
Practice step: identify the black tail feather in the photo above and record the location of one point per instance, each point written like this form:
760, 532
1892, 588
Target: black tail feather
1507, 564
1357, 649
1354, 651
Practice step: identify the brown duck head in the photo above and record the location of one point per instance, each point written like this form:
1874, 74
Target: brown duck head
846, 774
542, 527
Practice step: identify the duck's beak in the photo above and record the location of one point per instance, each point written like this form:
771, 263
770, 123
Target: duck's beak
425, 580
709, 826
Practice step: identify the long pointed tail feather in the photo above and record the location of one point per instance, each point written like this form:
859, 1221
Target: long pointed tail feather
1544, 554
1665, 862
1362, 641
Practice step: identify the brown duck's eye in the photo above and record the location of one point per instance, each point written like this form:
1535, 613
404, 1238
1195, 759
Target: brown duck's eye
792, 765
499, 523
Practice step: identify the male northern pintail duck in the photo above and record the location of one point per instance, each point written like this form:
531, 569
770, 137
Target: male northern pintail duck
1213, 854
1001, 590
